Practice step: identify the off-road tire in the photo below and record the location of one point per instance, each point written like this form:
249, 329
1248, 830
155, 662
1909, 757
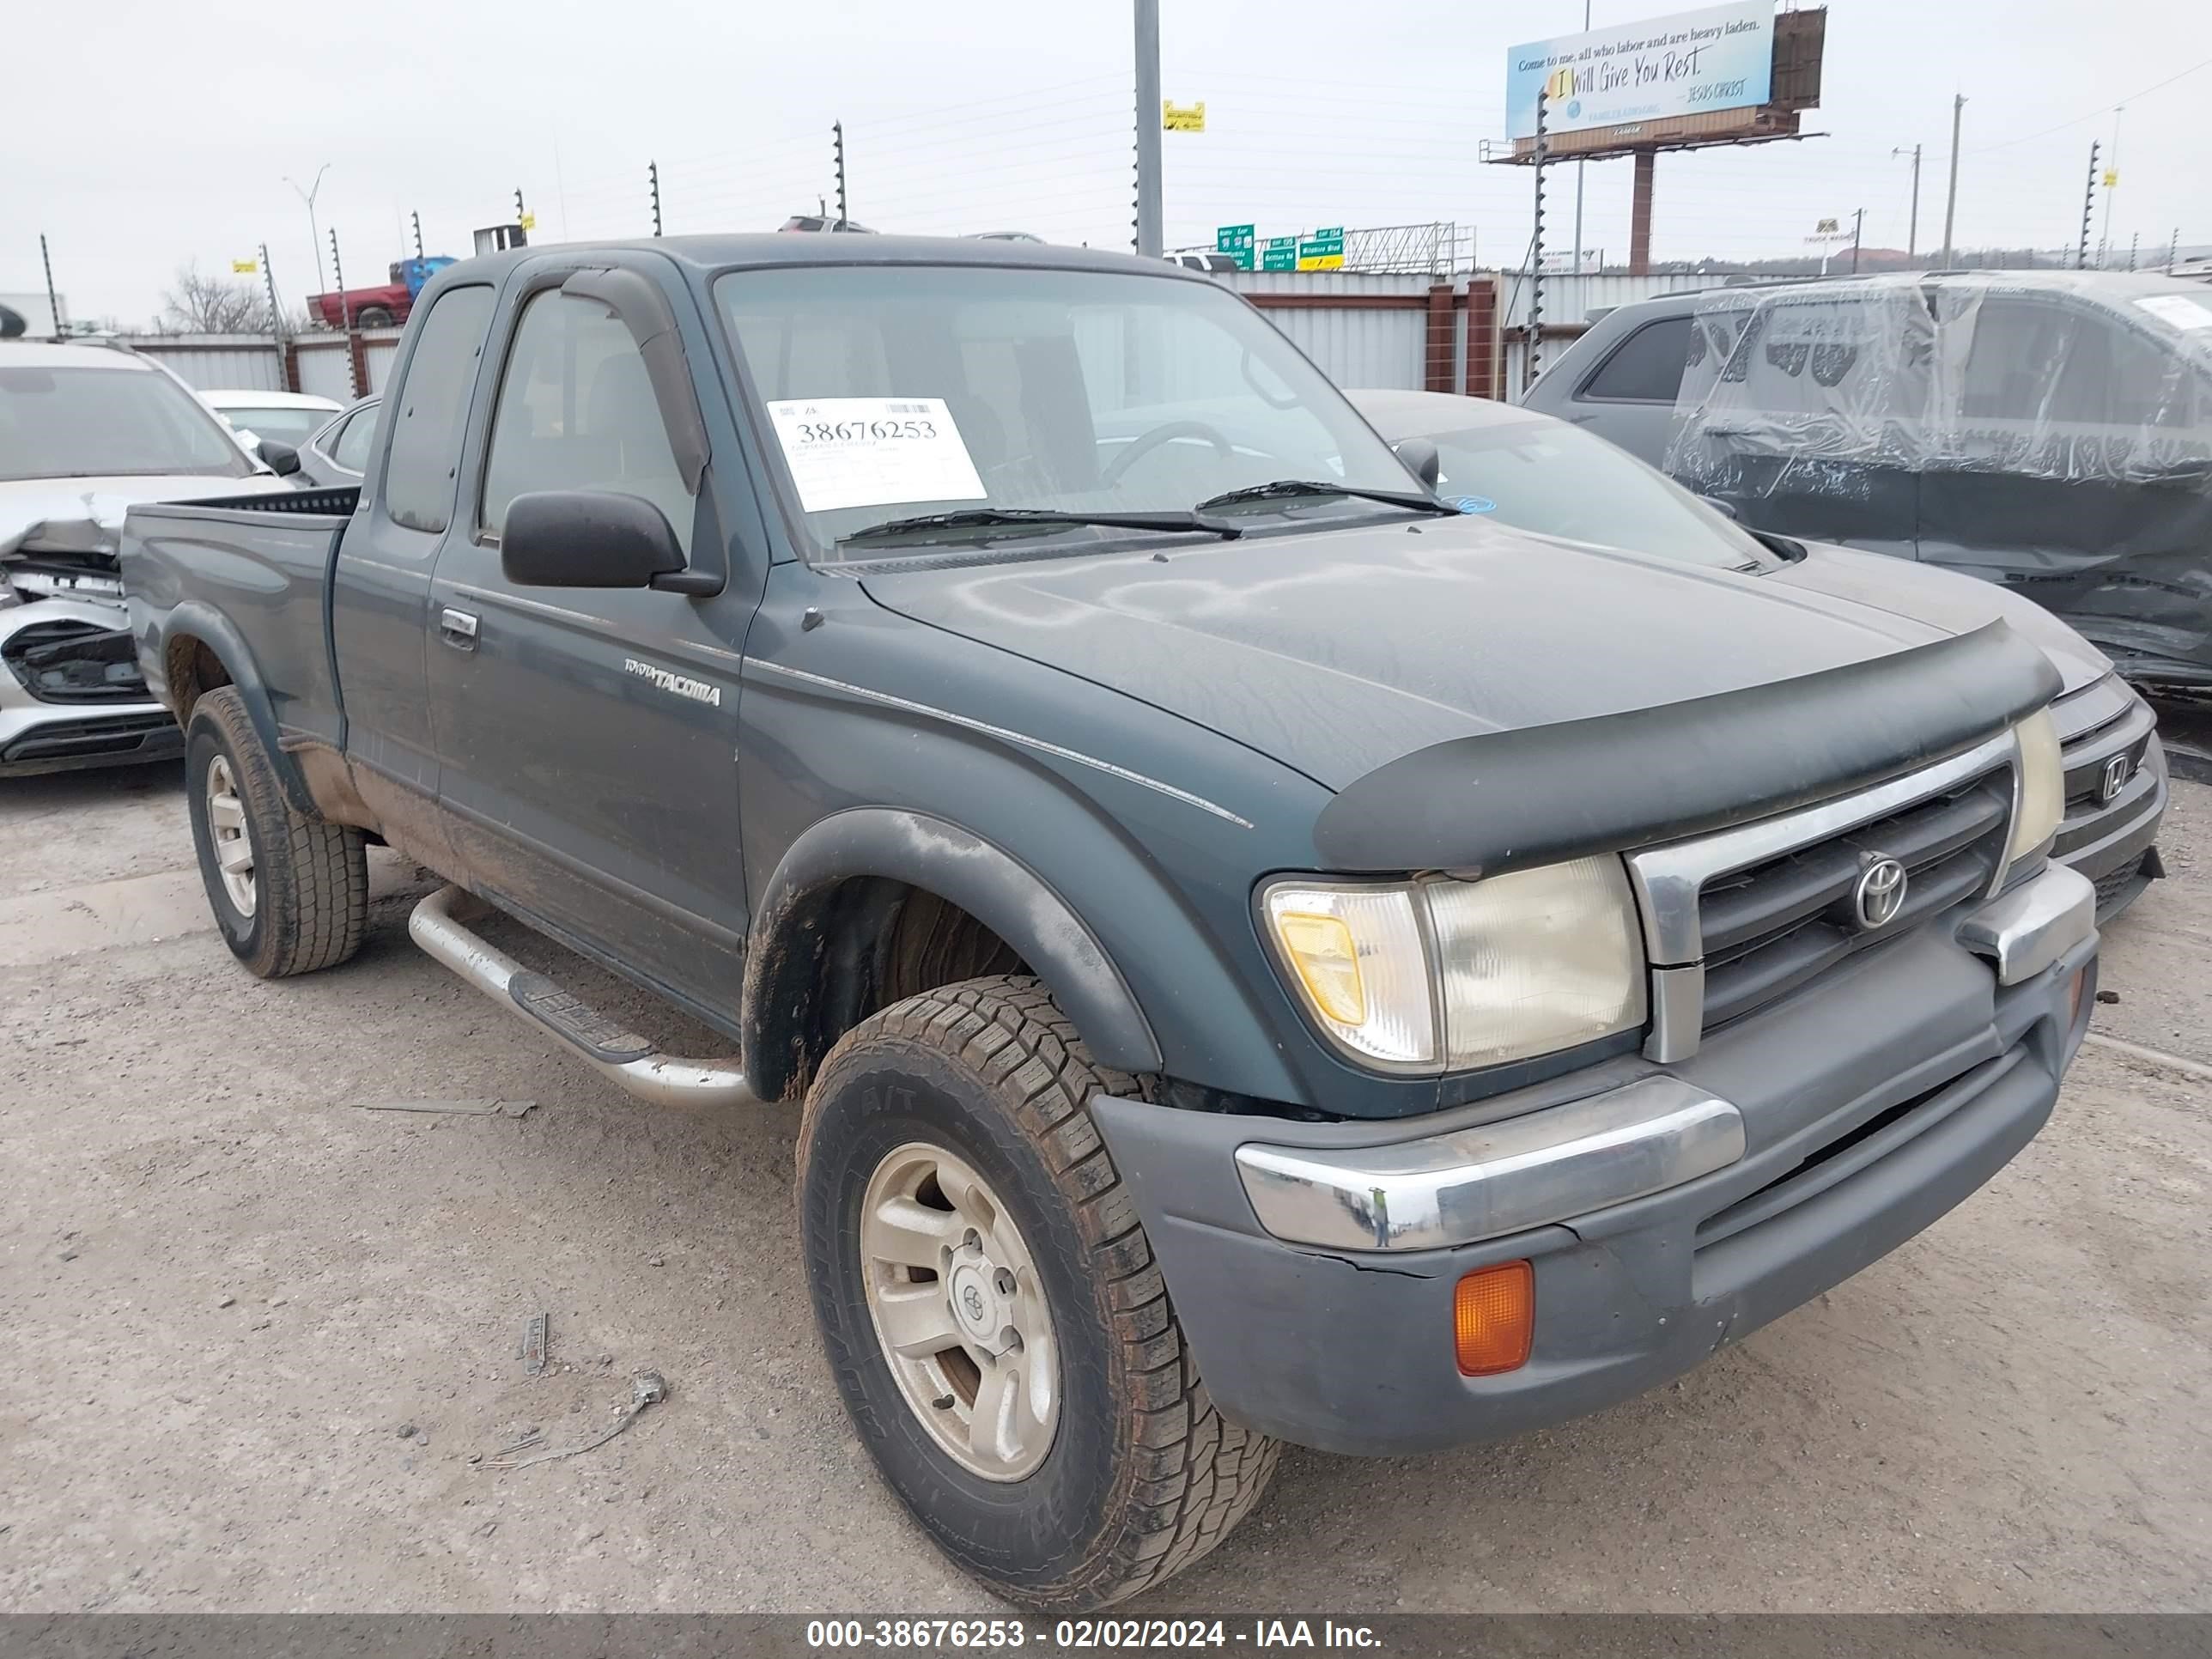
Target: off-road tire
371, 317
311, 877
1145, 1475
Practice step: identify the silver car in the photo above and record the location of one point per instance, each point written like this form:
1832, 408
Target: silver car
85, 431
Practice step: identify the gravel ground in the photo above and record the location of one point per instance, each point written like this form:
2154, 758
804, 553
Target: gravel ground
257, 1334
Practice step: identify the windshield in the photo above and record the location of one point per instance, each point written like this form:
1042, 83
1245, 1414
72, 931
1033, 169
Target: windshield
100, 422
287, 426
1557, 480
899, 391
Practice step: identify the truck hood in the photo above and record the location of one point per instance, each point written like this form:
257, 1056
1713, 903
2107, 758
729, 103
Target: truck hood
1338, 651
1955, 603
82, 516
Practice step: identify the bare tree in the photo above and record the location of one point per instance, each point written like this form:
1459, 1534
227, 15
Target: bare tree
214, 305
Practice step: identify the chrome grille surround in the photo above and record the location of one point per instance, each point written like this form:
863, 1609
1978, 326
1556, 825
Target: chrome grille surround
1669, 881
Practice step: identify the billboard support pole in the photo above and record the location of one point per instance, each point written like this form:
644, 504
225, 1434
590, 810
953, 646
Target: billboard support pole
1639, 214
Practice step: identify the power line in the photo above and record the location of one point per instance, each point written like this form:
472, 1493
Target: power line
2101, 109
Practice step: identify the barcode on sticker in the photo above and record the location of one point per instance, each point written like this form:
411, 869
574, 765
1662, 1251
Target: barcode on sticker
908, 408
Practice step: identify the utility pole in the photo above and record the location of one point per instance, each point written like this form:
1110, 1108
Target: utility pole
1951, 200
1858, 224
54, 303
1579, 166
522, 231
2133, 238
2174, 251
2088, 207
1151, 238
837, 140
652, 182
268, 281
418, 218
1536, 252
314, 231
1912, 230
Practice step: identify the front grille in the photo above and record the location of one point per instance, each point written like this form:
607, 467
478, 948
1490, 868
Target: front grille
1770, 927
76, 662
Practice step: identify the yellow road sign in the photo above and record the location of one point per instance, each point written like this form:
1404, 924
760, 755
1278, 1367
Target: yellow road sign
1182, 117
528, 221
245, 267
2111, 177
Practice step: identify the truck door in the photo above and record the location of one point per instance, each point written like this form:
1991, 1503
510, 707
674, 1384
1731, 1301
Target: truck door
588, 736
381, 584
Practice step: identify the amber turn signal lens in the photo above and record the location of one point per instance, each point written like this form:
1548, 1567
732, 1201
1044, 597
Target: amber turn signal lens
1494, 1318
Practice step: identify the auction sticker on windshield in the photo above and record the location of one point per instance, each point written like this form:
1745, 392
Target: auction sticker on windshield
874, 451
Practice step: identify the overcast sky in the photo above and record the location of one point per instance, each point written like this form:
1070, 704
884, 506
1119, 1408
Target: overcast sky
148, 136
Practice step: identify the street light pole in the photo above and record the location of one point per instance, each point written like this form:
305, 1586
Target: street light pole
1912, 230
315, 230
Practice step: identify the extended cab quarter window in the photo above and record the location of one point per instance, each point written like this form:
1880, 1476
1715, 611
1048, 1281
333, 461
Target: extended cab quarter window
1646, 367
351, 450
576, 412
433, 401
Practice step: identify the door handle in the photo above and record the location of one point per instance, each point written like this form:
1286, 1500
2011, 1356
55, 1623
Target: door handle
458, 629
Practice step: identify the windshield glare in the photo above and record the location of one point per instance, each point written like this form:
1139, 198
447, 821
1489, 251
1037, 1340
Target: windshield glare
896, 391
1557, 480
97, 422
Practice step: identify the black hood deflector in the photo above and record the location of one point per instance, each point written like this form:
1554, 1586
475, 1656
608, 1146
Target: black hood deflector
1506, 801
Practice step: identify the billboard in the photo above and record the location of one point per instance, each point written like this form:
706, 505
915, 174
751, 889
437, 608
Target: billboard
1690, 64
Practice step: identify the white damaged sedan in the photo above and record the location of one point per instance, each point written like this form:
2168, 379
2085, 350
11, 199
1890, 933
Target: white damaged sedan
85, 431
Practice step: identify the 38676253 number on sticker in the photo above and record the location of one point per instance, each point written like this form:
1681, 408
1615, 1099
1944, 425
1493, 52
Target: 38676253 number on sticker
874, 451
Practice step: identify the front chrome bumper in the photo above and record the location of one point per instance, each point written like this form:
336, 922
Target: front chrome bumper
1645, 1137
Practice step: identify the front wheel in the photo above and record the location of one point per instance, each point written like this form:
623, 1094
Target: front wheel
990, 1309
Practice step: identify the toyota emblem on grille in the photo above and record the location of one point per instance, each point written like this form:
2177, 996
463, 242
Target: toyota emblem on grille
1880, 895
2114, 778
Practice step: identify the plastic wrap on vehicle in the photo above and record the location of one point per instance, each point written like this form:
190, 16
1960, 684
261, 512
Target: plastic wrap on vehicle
2051, 431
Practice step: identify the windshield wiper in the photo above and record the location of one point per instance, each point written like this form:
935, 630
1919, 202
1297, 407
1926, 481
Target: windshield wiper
1287, 487
986, 518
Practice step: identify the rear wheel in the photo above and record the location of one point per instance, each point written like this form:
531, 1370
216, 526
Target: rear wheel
371, 317
990, 1309
289, 890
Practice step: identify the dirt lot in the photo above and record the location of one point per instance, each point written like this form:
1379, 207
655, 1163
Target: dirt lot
255, 1333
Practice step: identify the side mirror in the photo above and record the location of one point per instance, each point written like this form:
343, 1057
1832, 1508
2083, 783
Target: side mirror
1421, 456
279, 457
1726, 509
586, 538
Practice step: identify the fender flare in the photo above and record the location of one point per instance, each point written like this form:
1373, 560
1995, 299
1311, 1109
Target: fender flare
201, 622
990, 883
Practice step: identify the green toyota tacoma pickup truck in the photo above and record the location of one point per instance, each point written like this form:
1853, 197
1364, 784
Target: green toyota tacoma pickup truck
1265, 956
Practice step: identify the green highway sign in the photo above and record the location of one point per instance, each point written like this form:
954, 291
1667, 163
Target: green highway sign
1323, 251
1236, 241
1280, 253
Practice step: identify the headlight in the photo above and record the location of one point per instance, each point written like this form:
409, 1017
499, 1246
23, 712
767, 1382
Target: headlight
1479, 972
2042, 786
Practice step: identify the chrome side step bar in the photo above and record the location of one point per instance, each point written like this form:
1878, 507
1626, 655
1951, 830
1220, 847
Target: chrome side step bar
621, 1056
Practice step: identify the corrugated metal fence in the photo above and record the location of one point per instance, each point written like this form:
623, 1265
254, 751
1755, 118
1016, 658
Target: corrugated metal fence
340, 367
1462, 333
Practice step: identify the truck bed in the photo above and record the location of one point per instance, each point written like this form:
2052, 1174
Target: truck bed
257, 565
